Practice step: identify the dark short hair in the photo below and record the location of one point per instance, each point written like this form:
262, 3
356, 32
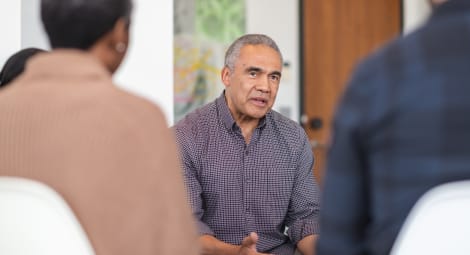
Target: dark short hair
81, 23
233, 51
15, 65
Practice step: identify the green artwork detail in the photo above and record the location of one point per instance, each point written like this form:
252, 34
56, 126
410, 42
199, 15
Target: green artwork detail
203, 30
220, 20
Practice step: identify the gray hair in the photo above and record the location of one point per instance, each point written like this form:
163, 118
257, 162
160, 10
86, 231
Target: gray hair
233, 52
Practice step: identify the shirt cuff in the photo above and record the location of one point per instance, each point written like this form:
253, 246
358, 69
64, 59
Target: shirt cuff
203, 229
301, 229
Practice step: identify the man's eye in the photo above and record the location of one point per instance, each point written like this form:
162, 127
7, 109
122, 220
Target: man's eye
253, 74
275, 77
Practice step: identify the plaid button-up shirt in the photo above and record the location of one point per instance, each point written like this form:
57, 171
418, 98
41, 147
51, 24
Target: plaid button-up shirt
266, 186
402, 127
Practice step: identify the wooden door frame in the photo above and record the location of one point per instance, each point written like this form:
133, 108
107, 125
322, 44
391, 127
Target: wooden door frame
303, 110
302, 45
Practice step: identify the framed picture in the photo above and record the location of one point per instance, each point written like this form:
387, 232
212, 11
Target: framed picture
203, 29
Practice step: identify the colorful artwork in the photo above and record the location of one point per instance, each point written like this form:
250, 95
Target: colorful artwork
221, 20
203, 30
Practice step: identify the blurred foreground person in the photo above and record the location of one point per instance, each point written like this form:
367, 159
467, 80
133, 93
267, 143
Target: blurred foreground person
402, 128
108, 153
14, 66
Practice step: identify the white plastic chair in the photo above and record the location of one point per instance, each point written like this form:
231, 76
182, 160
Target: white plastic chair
439, 223
34, 219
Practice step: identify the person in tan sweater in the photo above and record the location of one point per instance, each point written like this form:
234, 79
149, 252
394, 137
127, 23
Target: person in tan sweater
108, 153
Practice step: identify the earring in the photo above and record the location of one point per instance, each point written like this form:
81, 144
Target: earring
120, 47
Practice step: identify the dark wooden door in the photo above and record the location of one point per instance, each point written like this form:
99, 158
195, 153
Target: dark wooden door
336, 35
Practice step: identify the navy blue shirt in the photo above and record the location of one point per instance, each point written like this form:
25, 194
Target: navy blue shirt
402, 127
265, 186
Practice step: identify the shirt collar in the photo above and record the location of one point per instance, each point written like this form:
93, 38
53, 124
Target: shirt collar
226, 116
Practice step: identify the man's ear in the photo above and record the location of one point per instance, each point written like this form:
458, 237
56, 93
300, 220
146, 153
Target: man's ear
225, 76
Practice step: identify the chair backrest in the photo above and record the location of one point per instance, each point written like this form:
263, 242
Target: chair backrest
34, 219
439, 223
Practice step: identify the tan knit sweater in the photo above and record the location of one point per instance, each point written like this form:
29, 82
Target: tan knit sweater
108, 153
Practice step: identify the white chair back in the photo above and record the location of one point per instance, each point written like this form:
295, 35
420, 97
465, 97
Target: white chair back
439, 223
34, 219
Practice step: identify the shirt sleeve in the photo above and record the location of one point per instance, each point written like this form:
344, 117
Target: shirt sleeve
193, 186
302, 215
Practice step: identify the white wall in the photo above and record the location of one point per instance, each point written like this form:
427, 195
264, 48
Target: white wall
10, 23
415, 13
279, 19
32, 33
148, 67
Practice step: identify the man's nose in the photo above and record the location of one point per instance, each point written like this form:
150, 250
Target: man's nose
263, 85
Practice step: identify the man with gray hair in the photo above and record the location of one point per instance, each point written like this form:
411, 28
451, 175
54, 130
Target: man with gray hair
247, 168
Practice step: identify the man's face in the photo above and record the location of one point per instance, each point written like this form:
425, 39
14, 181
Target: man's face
251, 88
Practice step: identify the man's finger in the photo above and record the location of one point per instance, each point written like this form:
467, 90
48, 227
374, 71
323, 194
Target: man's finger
250, 240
